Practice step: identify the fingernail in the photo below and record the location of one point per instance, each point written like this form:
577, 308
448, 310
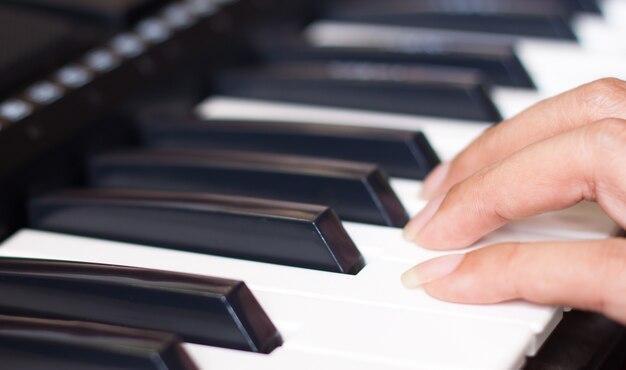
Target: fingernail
417, 223
431, 270
434, 180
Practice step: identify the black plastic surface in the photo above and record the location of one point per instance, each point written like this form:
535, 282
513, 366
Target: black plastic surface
431, 91
399, 153
497, 62
582, 341
590, 6
546, 19
37, 344
356, 191
32, 44
199, 309
112, 14
292, 234
528, 7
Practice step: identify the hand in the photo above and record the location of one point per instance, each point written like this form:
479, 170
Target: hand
562, 151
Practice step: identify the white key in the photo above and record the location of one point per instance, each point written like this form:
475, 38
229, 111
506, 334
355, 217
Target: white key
378, 284
556, 67
597, 35
614, 12
404, 338
447, 136
337, 33
352, 333
511, 101
282, 358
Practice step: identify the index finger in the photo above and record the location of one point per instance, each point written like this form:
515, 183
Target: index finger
589, 103
582, 164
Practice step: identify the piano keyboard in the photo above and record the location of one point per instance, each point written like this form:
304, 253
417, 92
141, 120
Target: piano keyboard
312, 247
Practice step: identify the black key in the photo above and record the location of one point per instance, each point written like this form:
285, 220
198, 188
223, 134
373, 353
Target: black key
198, 309
356, 191
504, 7
399, 153
431, 91
38, 344
110, 13
497, 62
590, 6
564, 7
292, 234
522, 18
32, 45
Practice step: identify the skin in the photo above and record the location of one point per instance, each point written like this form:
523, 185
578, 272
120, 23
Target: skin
557, 153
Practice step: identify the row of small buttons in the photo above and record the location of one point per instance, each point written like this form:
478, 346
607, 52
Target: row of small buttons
127, 45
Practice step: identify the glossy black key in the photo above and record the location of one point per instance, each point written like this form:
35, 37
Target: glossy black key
528, 7
356, 191
109, 13
32, 45
198, 309
399, 153
292, 234
590, 6
38, 344
497, 62
430, 91
546, 19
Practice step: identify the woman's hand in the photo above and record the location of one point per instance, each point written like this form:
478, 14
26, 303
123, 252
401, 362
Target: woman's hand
562, 151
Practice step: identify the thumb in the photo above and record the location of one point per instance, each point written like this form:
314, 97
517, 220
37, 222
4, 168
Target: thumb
589, 275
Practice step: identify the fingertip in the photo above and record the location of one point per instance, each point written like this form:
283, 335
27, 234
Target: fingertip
409, 234
433, 182
416, 224
431, 270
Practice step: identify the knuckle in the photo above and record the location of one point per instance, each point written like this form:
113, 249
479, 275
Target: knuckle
602, 146
516, 267
613, 258
611, 264
603, 98
467, 161
487, 182
476, 190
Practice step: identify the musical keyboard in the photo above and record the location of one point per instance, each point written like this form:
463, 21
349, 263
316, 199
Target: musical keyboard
553, 65
208, 197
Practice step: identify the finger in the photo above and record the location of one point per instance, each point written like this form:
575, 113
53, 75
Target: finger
586, 104
588, 163
589, 275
